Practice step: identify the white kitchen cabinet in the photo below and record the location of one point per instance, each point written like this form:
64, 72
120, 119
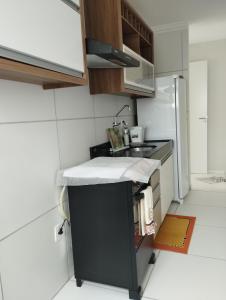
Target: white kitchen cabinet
45, 33
166, 185
168, 53
171, 51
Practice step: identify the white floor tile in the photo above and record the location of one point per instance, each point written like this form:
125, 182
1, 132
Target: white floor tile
90, 292
206, 198
206, 215
198, 182
209, 242
185, 277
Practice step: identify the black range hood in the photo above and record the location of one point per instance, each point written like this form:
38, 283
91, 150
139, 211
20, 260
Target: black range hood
101, 55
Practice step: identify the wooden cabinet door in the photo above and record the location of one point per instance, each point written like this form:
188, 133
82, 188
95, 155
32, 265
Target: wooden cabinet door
166, 185
46, 33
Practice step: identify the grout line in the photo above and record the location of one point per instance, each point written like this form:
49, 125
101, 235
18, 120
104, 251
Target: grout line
27, 122
206, 205
208, 257
29, 223
94, 114
59, 290
192, 204
60, 120
1, 287
105, 287
57, 130
207, 192
211, 226
182, 49
61, 166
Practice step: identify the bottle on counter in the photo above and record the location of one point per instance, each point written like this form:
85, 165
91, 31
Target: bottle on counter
125, 133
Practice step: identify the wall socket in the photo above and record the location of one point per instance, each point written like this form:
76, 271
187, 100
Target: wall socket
57, 237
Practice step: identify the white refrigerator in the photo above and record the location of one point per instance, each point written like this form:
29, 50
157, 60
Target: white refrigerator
165, 117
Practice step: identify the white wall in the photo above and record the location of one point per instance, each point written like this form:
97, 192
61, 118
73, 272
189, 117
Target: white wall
214, 53
41, 132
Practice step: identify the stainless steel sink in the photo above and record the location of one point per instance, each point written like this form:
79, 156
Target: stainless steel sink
141, 149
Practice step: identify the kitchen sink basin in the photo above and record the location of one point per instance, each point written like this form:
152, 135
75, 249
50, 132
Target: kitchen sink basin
141, 149
143, 146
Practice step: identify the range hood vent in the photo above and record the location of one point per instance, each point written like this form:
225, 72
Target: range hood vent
101, 56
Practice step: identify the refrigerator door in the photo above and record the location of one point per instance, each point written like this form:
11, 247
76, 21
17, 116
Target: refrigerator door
165, 117
157, 115
182, 137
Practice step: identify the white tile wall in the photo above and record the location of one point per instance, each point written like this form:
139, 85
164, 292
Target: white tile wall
29, 159
75, 138
42, 131
35, 267
100, 123
105, 105
74, 102
21, 102
1, 296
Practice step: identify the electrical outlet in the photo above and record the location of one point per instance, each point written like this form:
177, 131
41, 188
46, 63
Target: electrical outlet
57, 237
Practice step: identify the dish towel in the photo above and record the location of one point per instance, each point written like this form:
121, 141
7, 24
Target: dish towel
147, 224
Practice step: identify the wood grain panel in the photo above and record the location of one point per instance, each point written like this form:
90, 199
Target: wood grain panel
105, 81
103, 21
12, 70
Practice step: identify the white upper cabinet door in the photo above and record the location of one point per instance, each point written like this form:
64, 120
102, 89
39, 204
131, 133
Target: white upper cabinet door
47, 30
168, 51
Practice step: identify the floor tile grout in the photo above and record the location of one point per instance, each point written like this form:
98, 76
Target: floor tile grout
197, 223
207, 205
211, 226
208, 257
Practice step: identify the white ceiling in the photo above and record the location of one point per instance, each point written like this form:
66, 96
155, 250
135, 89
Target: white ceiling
206, 18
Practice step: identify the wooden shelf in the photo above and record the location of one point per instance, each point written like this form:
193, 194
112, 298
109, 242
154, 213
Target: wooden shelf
133, 25
129, 28
13, 70
107, 21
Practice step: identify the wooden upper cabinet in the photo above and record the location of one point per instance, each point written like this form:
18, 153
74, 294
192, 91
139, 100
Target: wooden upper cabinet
42, 42
117, 23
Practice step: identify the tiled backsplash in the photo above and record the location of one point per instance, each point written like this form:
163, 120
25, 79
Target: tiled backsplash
40, 132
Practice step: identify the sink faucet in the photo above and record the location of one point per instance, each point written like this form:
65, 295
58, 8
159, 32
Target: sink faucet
116, 123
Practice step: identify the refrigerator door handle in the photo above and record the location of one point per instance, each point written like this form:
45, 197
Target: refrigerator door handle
203, 118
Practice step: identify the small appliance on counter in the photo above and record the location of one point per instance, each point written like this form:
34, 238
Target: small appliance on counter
137, 135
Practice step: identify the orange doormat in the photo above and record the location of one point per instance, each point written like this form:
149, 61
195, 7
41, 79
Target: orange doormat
175, 233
